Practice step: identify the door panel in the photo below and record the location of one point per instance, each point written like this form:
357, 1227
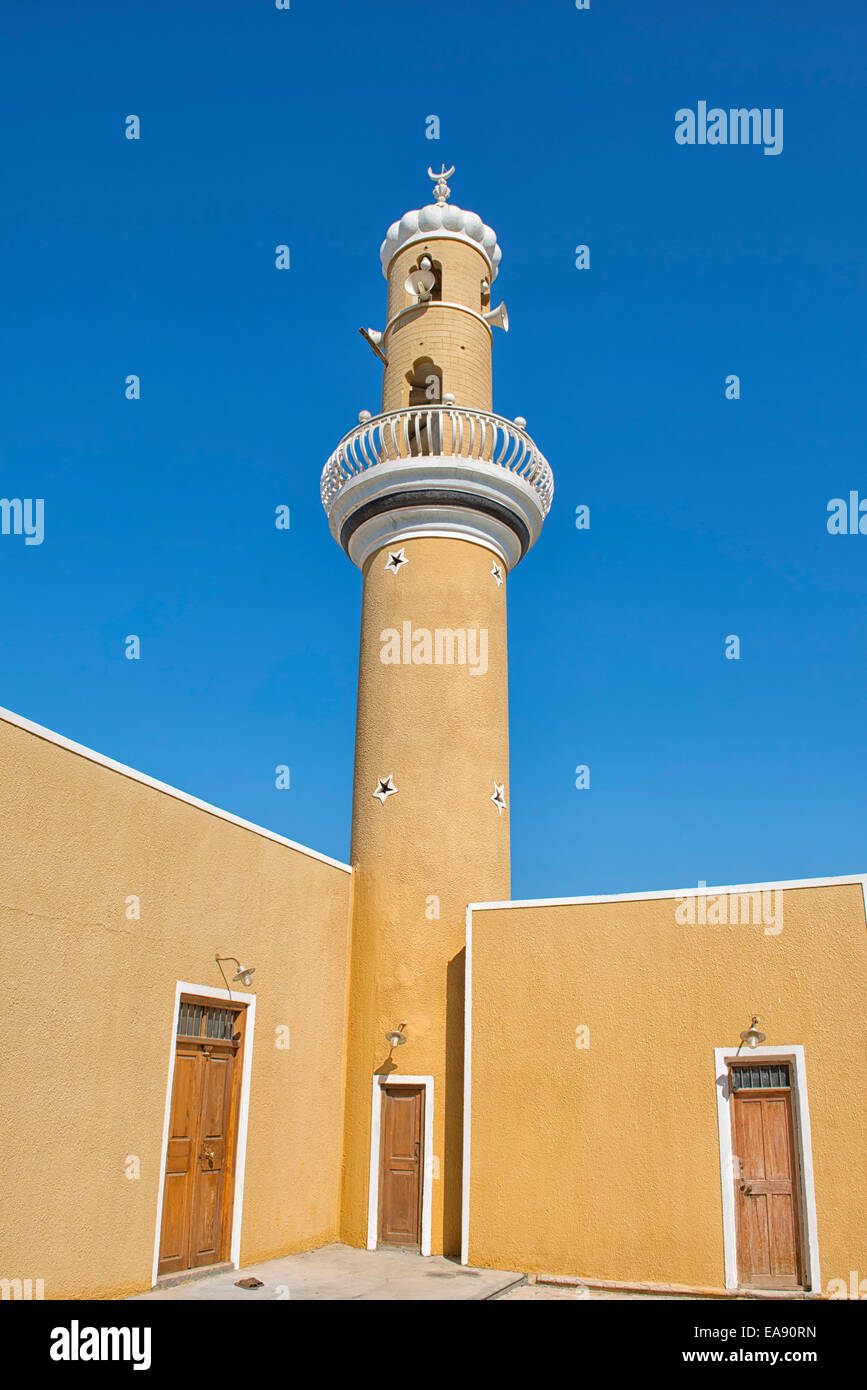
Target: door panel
180, 1158
784, 1252
777, 1127
211, 1176
400, 1168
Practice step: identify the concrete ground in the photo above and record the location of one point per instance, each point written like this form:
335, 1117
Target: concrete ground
343, 1272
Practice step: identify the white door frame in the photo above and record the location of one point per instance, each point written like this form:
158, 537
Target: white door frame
395, 1079
207, 992
794, 1055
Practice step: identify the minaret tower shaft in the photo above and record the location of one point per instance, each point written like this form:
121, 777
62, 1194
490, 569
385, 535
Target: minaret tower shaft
435, 500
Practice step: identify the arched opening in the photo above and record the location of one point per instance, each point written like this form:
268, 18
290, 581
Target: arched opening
425, 381
426, 262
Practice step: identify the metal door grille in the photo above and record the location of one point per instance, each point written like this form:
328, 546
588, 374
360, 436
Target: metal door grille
219, 1023
775, 1076
190, 1019
198, 1020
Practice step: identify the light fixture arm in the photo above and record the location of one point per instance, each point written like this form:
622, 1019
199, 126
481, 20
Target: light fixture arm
243, 973
222, 971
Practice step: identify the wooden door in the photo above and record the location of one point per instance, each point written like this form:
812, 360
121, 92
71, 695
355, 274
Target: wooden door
196, 1221
767, 1178
400, 1166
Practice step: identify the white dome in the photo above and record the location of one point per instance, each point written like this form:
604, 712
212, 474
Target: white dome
441, 220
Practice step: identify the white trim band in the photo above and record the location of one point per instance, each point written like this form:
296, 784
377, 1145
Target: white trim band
434, 304
709, 890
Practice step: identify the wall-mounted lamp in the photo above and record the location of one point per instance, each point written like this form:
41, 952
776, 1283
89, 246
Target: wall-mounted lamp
395, 1038
751, 1036
243, 975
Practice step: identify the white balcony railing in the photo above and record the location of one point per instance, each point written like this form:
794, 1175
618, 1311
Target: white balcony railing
438, 432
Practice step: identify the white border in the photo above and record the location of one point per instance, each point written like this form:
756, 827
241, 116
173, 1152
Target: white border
794, 1054
484, 480
468, 1080
619, 898
184, 987
396, 1079
438, 304
442, 532
8, 717
693, 892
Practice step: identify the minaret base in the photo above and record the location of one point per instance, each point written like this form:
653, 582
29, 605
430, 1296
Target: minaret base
432, 725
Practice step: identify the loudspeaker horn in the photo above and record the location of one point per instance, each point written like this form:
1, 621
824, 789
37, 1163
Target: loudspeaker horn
419, 283
498, 318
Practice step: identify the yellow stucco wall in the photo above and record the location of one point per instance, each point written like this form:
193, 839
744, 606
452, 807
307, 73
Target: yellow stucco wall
442, 733
89, 998
604, 1162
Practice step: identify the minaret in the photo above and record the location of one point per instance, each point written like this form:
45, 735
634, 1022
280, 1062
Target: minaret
435, 500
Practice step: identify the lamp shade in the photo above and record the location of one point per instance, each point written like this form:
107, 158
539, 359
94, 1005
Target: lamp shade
751, 1036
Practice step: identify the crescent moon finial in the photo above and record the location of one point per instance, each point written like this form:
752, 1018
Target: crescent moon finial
441, 186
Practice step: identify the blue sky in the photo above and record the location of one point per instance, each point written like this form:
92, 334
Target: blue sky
708, 516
